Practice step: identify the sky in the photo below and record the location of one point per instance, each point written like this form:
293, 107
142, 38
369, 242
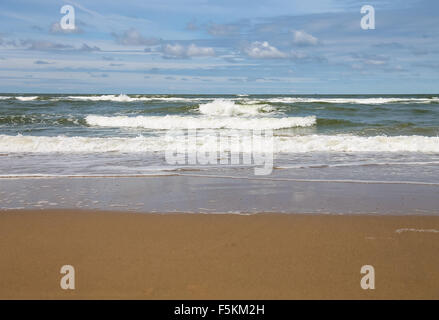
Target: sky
219, 46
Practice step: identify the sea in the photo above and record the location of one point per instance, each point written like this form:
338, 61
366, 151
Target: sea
353, 139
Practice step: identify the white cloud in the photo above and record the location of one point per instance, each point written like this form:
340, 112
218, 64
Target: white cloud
180, 51
263, 50
302, 38
193, 50
175, 50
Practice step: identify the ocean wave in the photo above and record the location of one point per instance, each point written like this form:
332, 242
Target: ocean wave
41, 119
110, 97
27, 98
241, 99
126, 98
61, 144
185, 122
349, 143
209, 142
372, 101
224, 107
336, 122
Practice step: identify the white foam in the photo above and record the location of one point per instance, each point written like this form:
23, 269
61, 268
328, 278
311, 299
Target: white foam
208, 142
349, 143
358, 164
64, 144
126, 98
111, 97
185, 122
239, 98
27, 98
222, 107
376, 100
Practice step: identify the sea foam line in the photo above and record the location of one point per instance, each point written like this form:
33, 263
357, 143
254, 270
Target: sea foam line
54, 176
49, 176
435, 184
356, 164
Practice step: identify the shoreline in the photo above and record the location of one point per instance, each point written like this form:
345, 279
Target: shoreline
185, 193
120, 210
126, 255
169, 173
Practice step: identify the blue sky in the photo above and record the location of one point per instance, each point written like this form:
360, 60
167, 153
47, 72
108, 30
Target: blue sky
222, 46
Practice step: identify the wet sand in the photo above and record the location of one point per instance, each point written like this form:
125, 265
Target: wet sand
208, 256
186, 193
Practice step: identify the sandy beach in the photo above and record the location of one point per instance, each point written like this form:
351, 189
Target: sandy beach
198, 256
202, 150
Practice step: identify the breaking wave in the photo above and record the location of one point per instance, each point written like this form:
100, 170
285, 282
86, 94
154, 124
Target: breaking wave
242, 99
126, 98
184, 122
208, 142
27, 98
222, 107
376, 100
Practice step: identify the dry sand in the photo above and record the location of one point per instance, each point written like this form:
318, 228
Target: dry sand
204, 256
